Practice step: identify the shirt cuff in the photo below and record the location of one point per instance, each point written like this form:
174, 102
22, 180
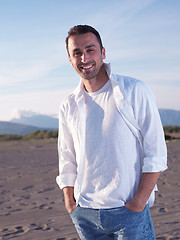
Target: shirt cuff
154, 164
66, 180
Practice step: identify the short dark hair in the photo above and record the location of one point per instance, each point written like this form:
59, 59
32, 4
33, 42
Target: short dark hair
81, 29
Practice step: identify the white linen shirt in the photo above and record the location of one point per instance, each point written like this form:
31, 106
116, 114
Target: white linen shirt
137, 108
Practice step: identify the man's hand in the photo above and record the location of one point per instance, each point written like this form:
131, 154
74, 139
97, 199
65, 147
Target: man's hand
148, 181
135, 206
69, 199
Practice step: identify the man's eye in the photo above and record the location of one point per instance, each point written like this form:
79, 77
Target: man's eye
77, 54
90, 50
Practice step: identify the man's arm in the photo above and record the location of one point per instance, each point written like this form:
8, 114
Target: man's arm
67, 158
154, 145
147, 183
69, 199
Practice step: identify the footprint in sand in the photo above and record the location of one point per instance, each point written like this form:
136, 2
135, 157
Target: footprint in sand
10, 211
27, 196
4, 192
162, 210
13, 232
16, 210
161, 238
167, 238
173, 238
42, 227
46, 190
42, 206
28, 187
66, 238
5, 214
160, 195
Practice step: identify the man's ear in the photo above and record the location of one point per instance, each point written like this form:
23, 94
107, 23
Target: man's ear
103, 53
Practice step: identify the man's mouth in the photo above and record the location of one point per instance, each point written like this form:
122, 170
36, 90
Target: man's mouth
87, 67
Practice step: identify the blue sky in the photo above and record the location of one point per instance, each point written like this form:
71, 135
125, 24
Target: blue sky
142, 40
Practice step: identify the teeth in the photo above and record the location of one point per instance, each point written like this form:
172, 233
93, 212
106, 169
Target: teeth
87, 67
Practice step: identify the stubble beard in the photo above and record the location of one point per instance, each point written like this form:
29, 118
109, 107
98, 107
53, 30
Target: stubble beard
91, 74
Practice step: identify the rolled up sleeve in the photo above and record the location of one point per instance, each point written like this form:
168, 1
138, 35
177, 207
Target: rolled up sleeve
154, 145
67, 158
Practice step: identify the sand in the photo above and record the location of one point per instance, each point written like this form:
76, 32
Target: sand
166, 210
31, 204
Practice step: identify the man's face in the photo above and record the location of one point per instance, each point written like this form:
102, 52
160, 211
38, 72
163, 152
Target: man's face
85, 55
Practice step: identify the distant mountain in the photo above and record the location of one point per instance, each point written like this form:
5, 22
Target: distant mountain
16, 128
25, 124
41, 121
170, 117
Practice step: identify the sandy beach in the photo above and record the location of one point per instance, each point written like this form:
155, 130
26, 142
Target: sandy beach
31, 204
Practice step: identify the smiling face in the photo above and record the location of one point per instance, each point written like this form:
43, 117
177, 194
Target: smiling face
85, 55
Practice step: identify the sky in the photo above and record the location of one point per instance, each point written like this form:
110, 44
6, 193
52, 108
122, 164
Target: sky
141, 38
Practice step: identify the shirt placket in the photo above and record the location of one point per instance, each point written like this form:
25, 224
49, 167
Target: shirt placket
82, 111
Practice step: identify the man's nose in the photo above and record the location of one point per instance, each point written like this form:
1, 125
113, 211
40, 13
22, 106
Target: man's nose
84, 58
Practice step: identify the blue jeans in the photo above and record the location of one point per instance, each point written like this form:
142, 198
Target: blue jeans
115, 223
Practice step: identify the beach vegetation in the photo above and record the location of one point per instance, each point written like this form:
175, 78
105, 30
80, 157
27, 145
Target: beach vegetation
171, 132
5, 137
171, 129
44, 134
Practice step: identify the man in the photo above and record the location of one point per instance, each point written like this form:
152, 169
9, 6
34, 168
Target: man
111, 146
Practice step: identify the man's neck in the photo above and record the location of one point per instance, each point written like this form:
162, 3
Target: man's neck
97, 83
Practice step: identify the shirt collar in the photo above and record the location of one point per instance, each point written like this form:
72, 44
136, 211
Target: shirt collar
79, 91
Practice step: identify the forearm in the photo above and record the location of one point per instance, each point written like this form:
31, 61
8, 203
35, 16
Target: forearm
147, 184
69, 199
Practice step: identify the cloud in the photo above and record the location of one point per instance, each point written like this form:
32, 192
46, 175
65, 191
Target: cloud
47, 102
141, 39
19, 113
